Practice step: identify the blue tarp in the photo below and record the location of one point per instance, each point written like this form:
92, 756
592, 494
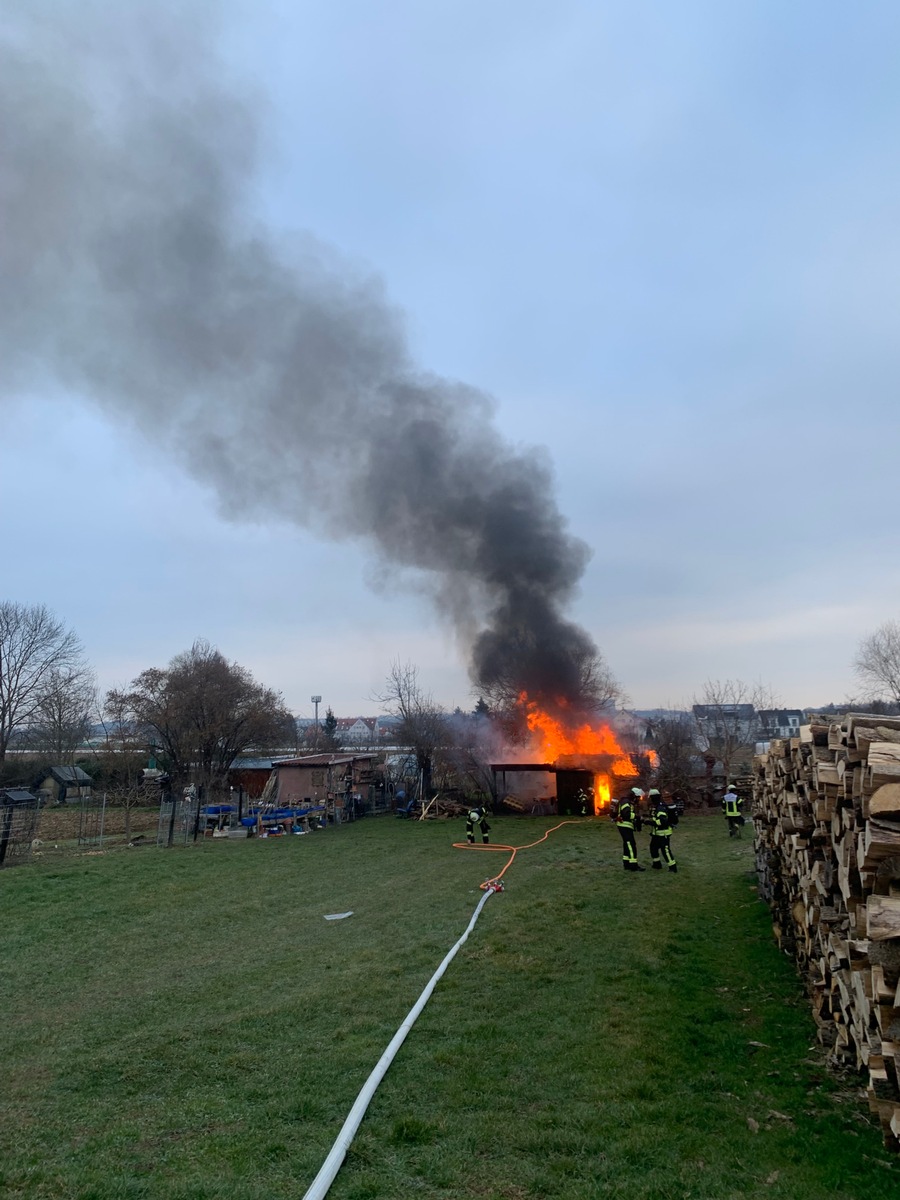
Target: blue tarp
277, 814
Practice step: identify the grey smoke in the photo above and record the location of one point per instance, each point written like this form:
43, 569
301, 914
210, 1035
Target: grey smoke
132, 274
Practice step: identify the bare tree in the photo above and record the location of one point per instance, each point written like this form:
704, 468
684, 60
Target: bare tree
64, 715
877, 662
129, 798
422, 722
673, 737
204, 711
35, 651
121, 758
727, 724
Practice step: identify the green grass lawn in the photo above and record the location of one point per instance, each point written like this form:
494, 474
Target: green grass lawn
184, 1024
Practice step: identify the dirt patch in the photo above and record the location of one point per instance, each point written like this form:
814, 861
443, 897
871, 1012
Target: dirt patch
61, 824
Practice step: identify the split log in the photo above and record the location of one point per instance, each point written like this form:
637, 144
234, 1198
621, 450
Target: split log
883, 917
878, 841
883, 763
884, 803
851, 720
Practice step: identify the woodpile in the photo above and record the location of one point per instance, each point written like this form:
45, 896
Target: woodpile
827, 818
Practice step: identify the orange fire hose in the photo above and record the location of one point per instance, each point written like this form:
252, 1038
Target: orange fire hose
494, 882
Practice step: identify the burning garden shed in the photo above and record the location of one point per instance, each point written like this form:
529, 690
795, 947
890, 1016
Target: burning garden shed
573, 786
575, 767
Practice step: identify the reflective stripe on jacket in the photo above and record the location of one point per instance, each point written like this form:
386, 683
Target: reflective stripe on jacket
662, 825
625, 815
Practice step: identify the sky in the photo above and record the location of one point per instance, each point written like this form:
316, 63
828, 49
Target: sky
659, 239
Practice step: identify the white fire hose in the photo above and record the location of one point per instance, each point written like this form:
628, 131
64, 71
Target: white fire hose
332, 1164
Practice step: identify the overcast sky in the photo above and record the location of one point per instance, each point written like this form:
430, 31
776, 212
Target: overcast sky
662, 236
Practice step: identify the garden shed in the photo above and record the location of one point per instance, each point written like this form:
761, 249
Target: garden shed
343, 783
64, 785
18, 823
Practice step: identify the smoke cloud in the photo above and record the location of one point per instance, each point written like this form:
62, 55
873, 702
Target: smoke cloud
133, 274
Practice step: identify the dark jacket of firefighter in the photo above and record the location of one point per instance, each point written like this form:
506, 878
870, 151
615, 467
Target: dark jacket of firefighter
662, 821
477, 816
626, 816
627, 821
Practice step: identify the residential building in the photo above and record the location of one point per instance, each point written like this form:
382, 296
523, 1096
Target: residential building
736, 722
779, 723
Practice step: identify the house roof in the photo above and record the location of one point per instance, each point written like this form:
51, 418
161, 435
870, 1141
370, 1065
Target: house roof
321, 760
17, 796
743, 711
68, 775
526, 766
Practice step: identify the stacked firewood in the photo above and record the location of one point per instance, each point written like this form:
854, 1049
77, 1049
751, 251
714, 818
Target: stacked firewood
827, 818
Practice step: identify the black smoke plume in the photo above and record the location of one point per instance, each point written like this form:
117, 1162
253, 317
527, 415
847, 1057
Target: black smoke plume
133, 275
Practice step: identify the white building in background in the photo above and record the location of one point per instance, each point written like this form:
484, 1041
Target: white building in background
779, 723
354, 731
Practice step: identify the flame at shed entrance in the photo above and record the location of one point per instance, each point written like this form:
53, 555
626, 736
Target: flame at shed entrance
556, 741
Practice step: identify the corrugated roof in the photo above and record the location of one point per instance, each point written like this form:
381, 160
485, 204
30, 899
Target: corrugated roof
69, 775
16, 796
321, 760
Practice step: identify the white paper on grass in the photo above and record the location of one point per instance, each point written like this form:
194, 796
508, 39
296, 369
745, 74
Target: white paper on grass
337, 916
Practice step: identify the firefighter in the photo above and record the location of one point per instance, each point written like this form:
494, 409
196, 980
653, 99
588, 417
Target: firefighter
477, 816
655, 800
663, 818
731, 807
583, 802
628, 819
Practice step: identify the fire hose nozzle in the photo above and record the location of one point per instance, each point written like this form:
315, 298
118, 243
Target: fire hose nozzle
492, 885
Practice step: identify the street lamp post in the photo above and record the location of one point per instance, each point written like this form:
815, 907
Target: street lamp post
317, 700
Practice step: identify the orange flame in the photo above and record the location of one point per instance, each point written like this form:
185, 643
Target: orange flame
602, 793
554, 739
